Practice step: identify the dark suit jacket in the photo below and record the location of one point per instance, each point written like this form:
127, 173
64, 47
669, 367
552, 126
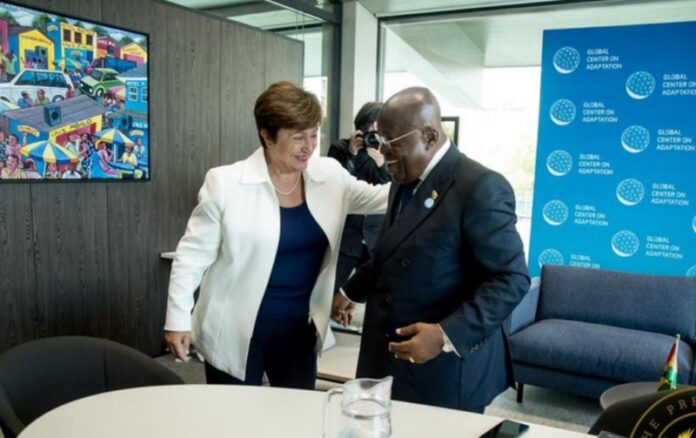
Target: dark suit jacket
459, 263
359, 227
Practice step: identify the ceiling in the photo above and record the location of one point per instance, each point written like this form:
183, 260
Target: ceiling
454, 48
388, 8
512, 38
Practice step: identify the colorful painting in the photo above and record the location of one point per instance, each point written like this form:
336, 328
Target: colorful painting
73, 99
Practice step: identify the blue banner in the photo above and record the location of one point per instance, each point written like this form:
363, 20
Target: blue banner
615, 183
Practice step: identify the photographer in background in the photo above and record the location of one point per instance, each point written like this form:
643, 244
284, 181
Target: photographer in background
360, 155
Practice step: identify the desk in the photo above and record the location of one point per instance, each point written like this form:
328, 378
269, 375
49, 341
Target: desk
240, 411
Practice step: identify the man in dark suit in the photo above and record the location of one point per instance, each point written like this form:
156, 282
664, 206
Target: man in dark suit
447, 270
364, 161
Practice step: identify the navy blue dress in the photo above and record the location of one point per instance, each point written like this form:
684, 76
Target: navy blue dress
284, 338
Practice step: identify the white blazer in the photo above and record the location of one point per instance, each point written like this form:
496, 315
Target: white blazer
230, 245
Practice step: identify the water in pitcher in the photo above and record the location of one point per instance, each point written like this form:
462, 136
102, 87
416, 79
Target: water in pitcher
365, 418
365, 410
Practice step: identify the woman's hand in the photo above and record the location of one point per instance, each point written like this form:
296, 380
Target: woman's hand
179, 343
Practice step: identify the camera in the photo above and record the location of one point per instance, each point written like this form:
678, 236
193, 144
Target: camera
371, 139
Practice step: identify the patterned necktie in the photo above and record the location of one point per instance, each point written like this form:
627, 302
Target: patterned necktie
407, 193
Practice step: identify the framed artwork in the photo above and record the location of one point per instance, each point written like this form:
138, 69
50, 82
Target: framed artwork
451, 127
73, 99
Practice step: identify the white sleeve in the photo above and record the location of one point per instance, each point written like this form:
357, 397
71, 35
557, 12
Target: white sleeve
196, 251
366, 198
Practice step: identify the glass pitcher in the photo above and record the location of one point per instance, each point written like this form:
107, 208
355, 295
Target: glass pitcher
365, 410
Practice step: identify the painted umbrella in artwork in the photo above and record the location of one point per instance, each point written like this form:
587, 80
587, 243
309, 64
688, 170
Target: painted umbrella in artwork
113, 135
48, 152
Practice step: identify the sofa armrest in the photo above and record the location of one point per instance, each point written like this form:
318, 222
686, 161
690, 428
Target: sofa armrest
525, 312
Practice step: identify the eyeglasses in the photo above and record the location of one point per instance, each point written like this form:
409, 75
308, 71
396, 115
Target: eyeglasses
384, 142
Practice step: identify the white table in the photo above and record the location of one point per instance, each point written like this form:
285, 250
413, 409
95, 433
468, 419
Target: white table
240, 411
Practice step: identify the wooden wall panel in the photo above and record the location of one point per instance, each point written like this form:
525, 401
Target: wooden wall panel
281, 55
137, 314
22, 311
84, 258
193, 113
241, 64
72, 257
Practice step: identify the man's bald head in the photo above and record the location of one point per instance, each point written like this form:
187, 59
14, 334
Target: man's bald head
411, 108
410, 123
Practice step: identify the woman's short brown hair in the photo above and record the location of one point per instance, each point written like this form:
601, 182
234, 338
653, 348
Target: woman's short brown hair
285, 105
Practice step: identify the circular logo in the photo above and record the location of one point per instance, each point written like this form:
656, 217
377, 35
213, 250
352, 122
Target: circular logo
630, 192
672, 416
550, 256
691, 272
640, 85
625, 243
555, 212
566, 60
635, 139
562, 112
559, 163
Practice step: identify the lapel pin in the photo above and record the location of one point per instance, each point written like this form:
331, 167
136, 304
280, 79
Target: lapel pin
431, 200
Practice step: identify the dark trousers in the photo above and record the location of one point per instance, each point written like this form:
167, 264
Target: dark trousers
286, 354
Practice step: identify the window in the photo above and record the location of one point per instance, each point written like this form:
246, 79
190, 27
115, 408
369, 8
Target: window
484, 68
27, 78
96, 75
78, 38
42, 79
143, 95
133, 93
90, 40
58, 80
67, 35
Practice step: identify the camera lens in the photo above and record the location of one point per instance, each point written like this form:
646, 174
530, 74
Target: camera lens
371, 139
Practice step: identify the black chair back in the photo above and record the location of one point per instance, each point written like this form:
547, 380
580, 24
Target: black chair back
40, 375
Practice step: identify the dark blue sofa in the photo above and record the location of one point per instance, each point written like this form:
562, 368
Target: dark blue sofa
584, 330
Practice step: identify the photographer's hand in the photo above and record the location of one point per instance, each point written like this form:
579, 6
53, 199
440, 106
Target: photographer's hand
356, 142
376, 155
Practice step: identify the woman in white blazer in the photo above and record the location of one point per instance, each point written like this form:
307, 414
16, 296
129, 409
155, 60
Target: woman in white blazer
262, 243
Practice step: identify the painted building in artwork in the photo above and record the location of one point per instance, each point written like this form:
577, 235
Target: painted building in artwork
136, 89
34, 48
107, 46
76, 116
136, 95
134, 52
4, 36
72, 42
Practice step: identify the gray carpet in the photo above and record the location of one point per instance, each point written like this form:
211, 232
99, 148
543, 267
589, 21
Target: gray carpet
551, 408
541, 406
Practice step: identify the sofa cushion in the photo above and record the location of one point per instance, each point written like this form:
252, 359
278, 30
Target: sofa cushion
642, 302
602, 351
